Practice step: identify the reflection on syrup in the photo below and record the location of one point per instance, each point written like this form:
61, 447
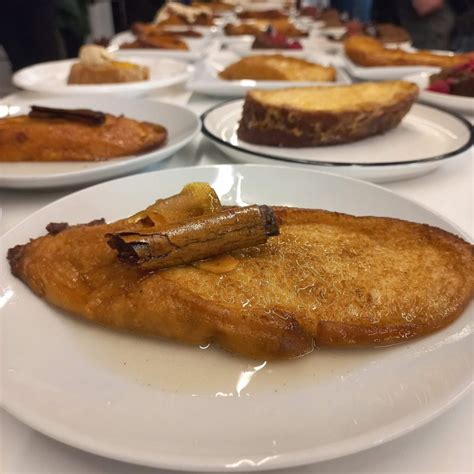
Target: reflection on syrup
209, 371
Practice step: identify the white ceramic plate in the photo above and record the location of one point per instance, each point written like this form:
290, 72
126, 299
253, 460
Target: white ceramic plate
382, 73
457, 103
204, 30
51, 77
335, 31
206, 80
181, 123
168, 405
244, 48
198, 47
337, 47
426, 137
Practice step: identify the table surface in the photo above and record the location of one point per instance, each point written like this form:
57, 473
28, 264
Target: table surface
443, 446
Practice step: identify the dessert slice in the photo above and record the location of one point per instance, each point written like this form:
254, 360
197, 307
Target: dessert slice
458, 80
174, 13
369, 52
240, 29
97, 66
311, 116
276, 67
156, 41
317, 278
274, 40
48, 134
138, 28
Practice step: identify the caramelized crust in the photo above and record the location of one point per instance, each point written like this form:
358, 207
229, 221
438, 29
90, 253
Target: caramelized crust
232, 29
109, 73
282, 26
139, 28
26, 139
276, 67
328, 278
178, 20
156, 41
367, 51
262, 15
311, 116
216, 6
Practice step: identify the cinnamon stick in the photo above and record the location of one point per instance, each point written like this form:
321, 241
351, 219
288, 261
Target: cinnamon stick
196, 239
89, 117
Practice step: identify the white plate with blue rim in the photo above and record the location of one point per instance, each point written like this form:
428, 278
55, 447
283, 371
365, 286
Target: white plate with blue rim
426, 138
181, 123
172, 406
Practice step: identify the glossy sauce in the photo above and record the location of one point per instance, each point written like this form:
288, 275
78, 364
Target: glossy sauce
210, 371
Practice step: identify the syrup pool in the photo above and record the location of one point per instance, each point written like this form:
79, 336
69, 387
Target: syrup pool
209, 371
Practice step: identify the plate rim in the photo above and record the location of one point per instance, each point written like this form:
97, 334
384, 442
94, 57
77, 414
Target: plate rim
470, 142
355, 69
285, 460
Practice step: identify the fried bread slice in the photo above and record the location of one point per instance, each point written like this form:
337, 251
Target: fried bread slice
108, 73
311, 116
23, 138
156, 40
367, 51
277, 67
327, 279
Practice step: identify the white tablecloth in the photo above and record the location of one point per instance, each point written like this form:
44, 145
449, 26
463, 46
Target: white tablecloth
443, 446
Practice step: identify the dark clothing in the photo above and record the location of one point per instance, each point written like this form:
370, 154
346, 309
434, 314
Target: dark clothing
126, 12
28, 32
432, 31
34, 31
463, 35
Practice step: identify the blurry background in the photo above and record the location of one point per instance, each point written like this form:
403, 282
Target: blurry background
33, 31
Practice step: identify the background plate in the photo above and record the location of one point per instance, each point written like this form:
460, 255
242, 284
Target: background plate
181, 123
163, 404
244, 48
383, 73
206, 80
51, 77
198, 47
425, 137
457, 103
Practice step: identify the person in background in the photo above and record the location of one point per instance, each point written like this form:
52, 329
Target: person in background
34, 31
429, 22
355, 9
73, 24
462, 38
126, 12
29, 32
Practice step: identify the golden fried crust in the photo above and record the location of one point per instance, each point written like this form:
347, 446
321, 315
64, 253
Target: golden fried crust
177, 20
232, 29
115, 73
367, 51
288, 125
329, 278
156, 40
262, 15
27, 139
277, 67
